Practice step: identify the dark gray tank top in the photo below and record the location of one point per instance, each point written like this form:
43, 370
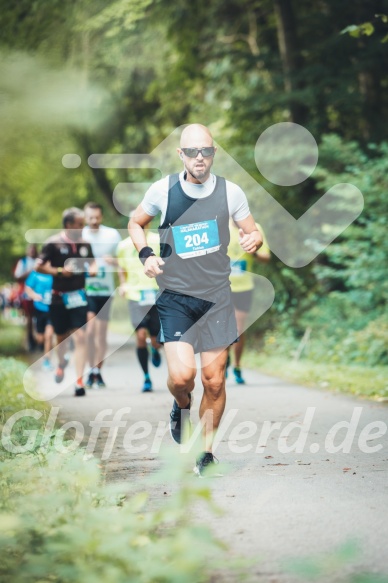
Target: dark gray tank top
194, 239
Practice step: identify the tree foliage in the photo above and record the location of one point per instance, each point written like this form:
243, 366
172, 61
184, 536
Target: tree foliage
87, 77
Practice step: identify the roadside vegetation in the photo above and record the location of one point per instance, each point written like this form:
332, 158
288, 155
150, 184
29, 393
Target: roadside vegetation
60, 521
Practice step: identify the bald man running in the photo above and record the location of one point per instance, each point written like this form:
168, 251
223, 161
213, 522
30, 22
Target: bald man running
194, 304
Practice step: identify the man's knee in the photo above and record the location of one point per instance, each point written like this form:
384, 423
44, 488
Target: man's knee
79, 337
61, 338
214, 387
183, 379
90, 324
141, 337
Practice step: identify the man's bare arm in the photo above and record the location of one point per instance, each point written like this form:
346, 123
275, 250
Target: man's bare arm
32, 294
93, 268
250, 238
136, 227
136, 231
46, 267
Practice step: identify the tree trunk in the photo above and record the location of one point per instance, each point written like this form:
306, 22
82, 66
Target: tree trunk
290, 57
99, 174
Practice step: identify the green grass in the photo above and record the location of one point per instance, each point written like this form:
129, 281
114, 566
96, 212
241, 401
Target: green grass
370, 382
11, 338
13, 398
49, 493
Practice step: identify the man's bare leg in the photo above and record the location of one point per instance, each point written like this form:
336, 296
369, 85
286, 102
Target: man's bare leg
238, 347
61, 348
212, 406
80, 352
101, 332
154, 343
91, 338
181, 371
48, 339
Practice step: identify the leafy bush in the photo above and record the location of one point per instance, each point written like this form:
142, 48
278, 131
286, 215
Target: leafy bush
13, 398
368, 346
342, 295
340, 332
59, 524
11, 338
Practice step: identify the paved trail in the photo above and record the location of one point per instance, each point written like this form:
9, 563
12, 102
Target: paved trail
277, 504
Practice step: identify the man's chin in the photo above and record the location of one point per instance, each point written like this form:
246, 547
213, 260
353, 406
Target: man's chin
201, 174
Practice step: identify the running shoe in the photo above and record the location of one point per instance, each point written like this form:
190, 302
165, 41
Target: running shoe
147, 387
46, 365
90, 380
238, 376
99, 381
79, 391
205, 464
59, 374
178, 419
156, 359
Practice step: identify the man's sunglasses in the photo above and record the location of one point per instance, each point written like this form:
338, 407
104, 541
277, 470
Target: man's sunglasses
193, 152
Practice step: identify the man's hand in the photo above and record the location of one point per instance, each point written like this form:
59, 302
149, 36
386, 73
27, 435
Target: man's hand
151, 266
250, 242
122, 290
110, 260
66, 272
93, 269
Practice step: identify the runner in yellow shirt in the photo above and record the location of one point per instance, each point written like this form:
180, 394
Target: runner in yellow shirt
140, 292
242, 285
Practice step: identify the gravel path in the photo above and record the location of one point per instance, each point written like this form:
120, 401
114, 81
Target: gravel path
278, 504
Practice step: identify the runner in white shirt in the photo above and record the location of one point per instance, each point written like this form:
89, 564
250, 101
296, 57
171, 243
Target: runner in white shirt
194, 304
156, 197
99, 289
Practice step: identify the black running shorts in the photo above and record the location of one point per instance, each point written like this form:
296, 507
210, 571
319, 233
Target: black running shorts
144, 317
100, 305
64, 320
204, 324
42, 319
242, 301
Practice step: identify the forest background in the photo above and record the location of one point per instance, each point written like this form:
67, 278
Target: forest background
96, 77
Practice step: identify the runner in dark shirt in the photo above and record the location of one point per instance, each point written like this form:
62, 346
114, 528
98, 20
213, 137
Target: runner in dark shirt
66, 256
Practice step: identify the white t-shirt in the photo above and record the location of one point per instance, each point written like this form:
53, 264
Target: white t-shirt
155, 199
103, 242
24, 266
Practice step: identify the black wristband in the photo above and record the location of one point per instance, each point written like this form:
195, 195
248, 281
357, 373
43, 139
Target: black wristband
145, 253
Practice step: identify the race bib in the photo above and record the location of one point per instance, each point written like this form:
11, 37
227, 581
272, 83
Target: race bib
101, 284
47, 298
147, 297
196, 239
238, 268
74, 299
